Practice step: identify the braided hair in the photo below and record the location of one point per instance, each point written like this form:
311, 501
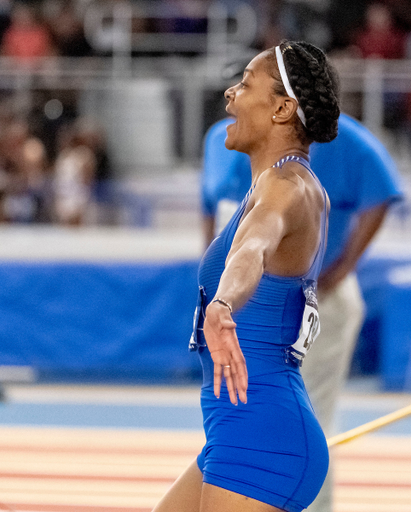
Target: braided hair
315, 85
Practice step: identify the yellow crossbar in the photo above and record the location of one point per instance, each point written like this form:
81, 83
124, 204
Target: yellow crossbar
369, 427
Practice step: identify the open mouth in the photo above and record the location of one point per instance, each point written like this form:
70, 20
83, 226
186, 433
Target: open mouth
230, 125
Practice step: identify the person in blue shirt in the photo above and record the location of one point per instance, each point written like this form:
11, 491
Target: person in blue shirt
362, 182
226, 179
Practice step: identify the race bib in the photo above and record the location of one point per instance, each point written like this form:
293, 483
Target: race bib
310, 325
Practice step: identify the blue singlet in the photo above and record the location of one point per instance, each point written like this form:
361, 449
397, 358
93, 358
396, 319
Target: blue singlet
271, 449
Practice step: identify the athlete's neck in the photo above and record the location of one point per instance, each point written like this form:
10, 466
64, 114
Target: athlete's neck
261, 162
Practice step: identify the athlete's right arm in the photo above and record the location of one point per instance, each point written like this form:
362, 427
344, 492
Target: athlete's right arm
255, 243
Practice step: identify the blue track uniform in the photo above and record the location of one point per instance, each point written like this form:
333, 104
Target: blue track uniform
271, 449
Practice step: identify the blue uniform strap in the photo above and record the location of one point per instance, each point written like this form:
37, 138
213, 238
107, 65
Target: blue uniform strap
318, 261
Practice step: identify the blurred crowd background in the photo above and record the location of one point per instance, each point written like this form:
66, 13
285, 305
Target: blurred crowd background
98, 97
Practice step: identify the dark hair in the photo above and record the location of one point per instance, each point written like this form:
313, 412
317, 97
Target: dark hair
316, 87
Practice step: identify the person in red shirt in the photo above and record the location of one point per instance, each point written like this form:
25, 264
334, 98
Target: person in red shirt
26, 40
380, 38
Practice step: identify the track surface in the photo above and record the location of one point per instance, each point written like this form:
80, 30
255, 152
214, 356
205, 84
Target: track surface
87, 462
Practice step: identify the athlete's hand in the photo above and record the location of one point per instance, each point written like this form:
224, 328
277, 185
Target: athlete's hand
222, 342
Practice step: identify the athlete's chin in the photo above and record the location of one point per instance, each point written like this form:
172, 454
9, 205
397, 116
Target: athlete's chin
233, 144
233, 141
230, 139
229, 144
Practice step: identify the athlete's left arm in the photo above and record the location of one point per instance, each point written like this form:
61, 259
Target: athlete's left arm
275, 213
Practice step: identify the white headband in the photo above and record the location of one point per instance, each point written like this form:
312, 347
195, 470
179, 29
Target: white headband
287, 86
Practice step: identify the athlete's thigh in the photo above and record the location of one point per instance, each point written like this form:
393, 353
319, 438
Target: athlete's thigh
216, 499
185, 493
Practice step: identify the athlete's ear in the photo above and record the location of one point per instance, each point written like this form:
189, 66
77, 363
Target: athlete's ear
284, 109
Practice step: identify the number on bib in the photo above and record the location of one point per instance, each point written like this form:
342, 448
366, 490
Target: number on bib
310, 325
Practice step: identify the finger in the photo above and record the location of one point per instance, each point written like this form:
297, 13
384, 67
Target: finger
239, 368
232, 390
234, 377
218, 377
241, 390
240, 383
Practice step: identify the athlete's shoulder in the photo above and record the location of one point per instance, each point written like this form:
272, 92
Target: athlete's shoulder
281, 185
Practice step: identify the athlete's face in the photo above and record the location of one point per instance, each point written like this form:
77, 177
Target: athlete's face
250, 102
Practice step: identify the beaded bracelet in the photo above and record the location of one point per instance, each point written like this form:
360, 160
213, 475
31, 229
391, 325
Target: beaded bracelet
224, 302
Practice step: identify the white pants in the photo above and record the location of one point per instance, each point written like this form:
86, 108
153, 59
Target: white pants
326, 366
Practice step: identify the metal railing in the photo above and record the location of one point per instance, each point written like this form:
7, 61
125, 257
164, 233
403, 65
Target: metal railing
110, 28
370, 79
373, 79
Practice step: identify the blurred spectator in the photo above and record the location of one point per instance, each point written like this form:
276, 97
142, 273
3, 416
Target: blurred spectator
345, 19
66, 27
273, 26
103, 197
51, 109
74, 176
295, 21
37, 179
23, 175
12, 138
27, 39
380, 38
91, 135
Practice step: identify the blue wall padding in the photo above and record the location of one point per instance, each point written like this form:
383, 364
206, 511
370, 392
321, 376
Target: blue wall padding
132, 322
384, 344
396, 339
102, 320
373, 277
